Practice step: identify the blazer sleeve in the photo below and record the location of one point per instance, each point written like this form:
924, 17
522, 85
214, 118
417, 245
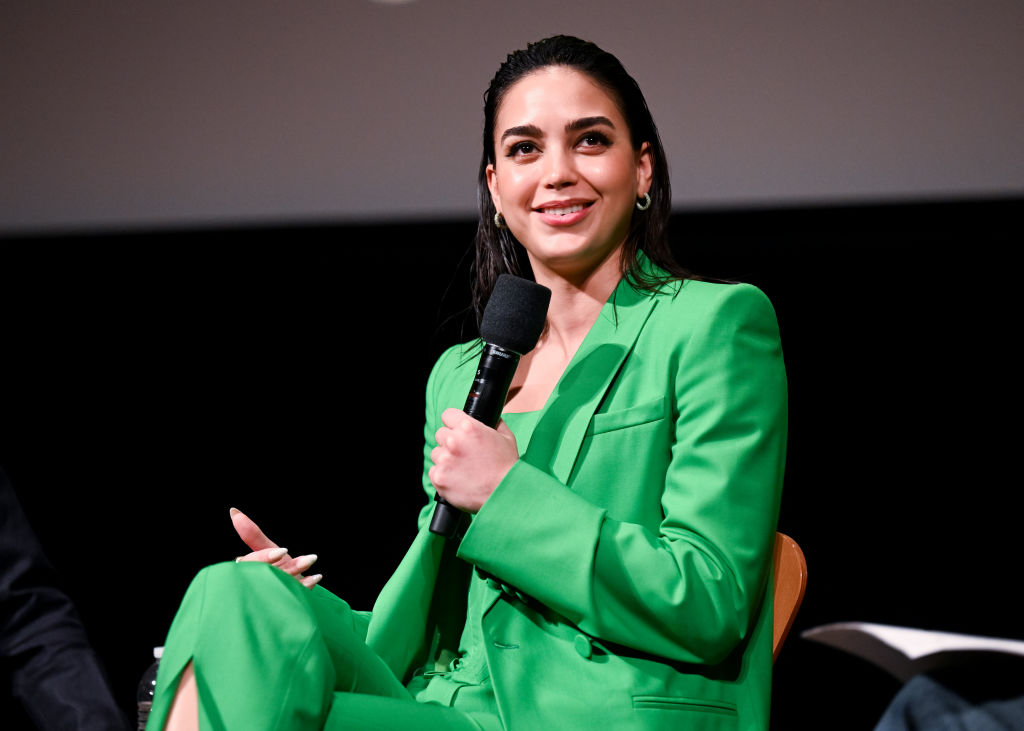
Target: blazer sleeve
688, 589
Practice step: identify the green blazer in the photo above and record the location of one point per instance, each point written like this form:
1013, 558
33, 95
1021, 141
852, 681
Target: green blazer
629, 548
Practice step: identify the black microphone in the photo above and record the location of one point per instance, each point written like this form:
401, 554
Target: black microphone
513, 321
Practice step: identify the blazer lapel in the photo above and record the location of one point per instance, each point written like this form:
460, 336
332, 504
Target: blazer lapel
403, 621
558, 437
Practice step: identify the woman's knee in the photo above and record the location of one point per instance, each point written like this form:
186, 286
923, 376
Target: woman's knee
246, 574
244, 588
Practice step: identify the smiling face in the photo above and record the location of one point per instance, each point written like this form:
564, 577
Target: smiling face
566, 177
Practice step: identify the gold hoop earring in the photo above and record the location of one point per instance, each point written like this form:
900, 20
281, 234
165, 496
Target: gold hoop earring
646, 204
499, 220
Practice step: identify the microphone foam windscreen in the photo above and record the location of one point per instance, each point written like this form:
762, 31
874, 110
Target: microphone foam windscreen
515, 314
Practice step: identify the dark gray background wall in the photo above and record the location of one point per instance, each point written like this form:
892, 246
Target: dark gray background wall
121, 113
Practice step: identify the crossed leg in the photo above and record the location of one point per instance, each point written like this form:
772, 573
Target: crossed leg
250, 648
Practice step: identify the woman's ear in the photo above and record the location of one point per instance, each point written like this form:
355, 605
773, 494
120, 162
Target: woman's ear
644, 170
492, 186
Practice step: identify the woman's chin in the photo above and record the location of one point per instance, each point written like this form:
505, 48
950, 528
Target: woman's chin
576, 264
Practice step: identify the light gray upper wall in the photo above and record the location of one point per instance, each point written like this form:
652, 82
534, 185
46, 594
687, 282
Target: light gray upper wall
128, 113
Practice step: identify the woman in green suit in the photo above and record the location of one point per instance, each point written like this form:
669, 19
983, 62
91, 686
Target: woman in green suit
615, 567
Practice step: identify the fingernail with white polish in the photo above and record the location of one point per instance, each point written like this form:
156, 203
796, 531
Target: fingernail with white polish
277, 554
304, 562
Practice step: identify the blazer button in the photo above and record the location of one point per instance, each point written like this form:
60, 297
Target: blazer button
583, 647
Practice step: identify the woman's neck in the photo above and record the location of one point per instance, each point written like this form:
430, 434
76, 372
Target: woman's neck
571, 314
575, 304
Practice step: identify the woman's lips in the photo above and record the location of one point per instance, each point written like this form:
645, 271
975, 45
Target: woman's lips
564, 214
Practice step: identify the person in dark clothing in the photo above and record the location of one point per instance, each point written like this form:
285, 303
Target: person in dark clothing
983, 693
46, 661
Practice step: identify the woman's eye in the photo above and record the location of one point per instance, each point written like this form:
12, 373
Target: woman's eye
594, 139
521, 149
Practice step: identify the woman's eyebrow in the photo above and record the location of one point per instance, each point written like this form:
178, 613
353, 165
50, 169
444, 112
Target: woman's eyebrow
523, 130
584, 122
531, 130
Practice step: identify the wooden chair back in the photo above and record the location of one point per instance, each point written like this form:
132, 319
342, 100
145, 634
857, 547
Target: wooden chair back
790, 571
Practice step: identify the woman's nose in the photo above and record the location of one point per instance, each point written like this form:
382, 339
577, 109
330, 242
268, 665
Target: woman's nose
560, 170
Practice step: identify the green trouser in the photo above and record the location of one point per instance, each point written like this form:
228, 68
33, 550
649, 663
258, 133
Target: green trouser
270, 654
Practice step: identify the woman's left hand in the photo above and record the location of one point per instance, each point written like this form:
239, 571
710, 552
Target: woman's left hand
266, 551
470, 459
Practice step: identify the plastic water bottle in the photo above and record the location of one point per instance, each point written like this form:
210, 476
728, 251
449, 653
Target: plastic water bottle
144, 695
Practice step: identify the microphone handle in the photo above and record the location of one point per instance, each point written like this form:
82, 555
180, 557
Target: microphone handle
494, 375
485, 401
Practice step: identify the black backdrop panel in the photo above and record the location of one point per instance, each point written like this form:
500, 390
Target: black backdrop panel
151, 380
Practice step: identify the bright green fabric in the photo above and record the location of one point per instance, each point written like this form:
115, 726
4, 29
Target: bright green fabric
270, 654
630, 547
468, 674
626, 554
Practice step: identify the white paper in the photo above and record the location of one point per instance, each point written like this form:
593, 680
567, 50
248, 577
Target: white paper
905, 651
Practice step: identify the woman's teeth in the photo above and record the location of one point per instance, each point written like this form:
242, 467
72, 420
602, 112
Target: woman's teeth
565, 211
